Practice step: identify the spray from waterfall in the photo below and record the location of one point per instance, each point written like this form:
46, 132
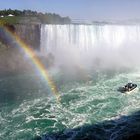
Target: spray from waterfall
92, 46
29, 52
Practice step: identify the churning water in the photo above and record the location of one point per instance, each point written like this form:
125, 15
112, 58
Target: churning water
83, 104
105, 58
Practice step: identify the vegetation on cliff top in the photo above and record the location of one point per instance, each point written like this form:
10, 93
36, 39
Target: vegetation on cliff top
27, 16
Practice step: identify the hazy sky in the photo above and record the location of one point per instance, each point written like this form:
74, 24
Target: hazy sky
80, 9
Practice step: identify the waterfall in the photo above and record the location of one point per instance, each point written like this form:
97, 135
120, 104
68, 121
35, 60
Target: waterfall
87, 37
110, 43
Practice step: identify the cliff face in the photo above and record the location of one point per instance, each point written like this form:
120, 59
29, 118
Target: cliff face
30, 34
12, 58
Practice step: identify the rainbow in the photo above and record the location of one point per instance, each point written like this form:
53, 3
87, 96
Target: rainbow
36, 61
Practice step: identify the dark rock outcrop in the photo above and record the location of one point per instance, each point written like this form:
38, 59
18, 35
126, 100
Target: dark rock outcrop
29, 34
4, 36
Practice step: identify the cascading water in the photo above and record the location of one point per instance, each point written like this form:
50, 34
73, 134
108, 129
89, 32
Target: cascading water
90, 107
110, 44
87, 37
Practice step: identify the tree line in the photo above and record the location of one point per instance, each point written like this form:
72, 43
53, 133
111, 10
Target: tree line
48, 18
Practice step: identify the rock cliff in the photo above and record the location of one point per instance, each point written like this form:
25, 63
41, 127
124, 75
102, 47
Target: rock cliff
28, 33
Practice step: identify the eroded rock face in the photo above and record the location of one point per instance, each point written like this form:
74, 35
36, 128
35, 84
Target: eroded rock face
12, 59
4, 36
29, 34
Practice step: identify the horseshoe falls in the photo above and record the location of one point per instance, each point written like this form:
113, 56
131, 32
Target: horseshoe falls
90, 62
87, 37
108, 45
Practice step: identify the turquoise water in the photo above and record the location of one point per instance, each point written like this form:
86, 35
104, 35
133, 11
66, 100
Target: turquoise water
28, 109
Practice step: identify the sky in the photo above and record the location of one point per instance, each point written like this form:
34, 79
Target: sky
80, 9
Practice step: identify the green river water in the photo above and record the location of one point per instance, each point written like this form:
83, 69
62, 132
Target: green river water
92, 108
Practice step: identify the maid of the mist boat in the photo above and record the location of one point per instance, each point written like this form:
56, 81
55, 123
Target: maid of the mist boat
128, 88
